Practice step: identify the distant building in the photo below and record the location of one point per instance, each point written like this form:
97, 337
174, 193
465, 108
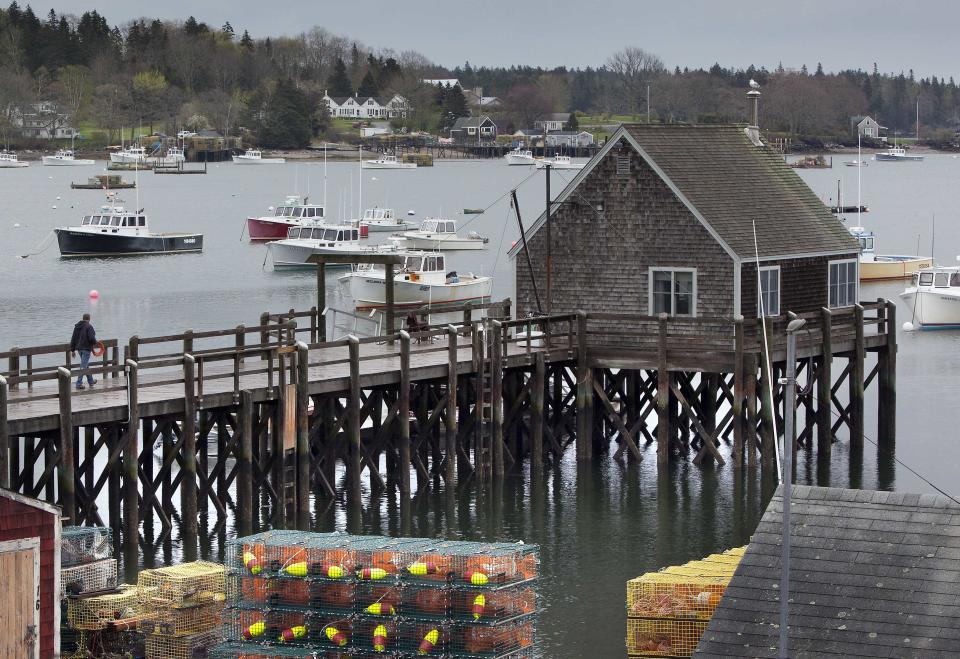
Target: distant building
552, 122
865, 127
356, 107
475, 98
473, 129
569, 138
873, 574
42, 121
443, 82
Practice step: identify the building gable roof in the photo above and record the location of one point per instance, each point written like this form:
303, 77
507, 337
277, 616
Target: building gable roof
730, 185
873, 574
467, 122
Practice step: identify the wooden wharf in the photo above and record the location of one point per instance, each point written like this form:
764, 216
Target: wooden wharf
274, 414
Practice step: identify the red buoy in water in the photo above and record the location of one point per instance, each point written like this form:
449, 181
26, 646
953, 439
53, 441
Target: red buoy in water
94, 294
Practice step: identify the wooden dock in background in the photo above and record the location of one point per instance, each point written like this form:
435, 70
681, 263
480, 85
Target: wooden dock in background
272, 414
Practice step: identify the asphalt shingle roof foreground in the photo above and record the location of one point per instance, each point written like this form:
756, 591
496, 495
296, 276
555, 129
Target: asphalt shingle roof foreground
873, 574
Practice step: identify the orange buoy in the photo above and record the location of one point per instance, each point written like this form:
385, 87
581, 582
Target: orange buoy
479, 603
381, 609
422, 568
336, 636
254, 630
429, 642
380, 638
293, 633
371, 574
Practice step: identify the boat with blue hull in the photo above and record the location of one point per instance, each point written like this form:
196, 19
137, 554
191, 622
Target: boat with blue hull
115, 231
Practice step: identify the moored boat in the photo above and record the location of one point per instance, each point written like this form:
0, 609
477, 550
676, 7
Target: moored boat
383, 219
421, 279
103, 182
388, 162
302, 242
558, 162
897, 154
129, 155
255, 157
293, 212
439, 233
65, 158
520, 157
10, 161
878, 267
115, 231
934, 298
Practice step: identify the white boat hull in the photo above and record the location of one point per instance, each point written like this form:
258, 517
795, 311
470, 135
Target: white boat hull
296, 253
372, 164
6, 164
892, 158
933, 309
432, 243
54, 161
373, 227
126, 158
369, 292
240, 160
519, 160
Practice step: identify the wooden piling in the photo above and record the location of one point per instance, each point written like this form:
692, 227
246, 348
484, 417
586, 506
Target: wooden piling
303, 427
322, 300
4, 435
67, 469
824, 386
584, 392
353, 402
537, 388
750, 390
663, 395
131, 499
855, 381
450, 445
887, 398
768, 446
739, 422
403, 414
496, 400
245, 502
188, 468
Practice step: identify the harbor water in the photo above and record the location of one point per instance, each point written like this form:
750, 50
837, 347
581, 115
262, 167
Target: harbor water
598, 524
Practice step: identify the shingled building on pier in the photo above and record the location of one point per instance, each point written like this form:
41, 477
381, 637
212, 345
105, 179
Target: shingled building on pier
663, 218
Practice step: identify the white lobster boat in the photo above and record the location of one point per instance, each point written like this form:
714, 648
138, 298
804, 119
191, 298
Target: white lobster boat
131, 154
9, 161
934, 298
388, 162
255, 157
421, 280
559, 162
65, 158
383, 219
438, 233
520, 157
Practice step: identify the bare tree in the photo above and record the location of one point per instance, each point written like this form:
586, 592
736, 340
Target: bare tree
635, 68
73, 87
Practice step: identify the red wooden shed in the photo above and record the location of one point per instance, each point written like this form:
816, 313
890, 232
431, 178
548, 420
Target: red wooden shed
30, 565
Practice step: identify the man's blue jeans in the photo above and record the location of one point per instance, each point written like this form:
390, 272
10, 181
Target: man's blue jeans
84, 364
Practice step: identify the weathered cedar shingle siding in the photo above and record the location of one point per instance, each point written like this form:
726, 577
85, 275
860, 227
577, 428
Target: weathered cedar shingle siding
803, 284
601, 259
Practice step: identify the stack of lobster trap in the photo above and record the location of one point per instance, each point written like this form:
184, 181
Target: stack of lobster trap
94, 610
297, 594
668, 611
183, 606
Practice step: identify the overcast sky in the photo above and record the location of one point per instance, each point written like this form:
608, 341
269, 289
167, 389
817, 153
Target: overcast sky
896, 35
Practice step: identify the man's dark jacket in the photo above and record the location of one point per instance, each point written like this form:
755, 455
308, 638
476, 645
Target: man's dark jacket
84, 336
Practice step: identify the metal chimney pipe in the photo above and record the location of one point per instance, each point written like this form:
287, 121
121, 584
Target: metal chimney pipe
754, 98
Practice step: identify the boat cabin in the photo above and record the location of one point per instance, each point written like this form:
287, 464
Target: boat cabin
378, 215
937, 278
427, 266
324, 233
296, 209
252, 153
114, 220
437, 225
676, 219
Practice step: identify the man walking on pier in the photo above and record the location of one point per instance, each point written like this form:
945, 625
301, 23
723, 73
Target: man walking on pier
84, 340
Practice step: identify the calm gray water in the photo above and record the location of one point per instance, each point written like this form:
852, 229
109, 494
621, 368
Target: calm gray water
597, 525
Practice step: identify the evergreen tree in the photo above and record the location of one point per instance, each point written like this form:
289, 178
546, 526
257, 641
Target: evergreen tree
339, 82
819, 71
286, 119
246, 42
227, 29
573, 125
454, 103
368, 86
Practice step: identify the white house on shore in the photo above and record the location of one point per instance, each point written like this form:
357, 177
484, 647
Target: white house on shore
370, 107
865, 127
42, 121
442, 82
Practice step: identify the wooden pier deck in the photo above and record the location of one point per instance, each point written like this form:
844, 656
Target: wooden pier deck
271, 416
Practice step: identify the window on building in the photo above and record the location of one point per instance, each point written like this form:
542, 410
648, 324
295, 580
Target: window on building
673, 291
623, 165
768, 302
843, 283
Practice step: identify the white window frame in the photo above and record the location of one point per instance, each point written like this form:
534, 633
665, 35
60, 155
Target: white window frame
471, 130
856, 282
769, 312
671, 269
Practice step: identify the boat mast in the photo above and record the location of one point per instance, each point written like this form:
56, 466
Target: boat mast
859, 167
360, 200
